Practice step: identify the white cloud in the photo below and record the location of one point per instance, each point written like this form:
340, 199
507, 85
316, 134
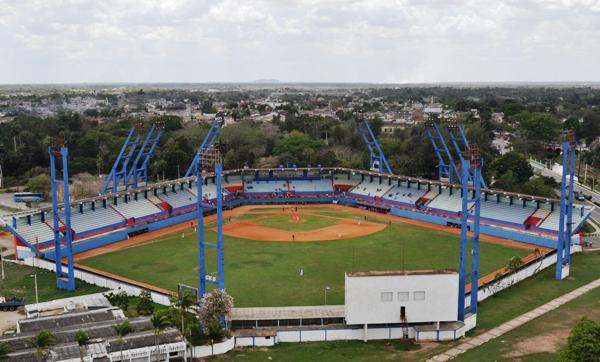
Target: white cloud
305, 40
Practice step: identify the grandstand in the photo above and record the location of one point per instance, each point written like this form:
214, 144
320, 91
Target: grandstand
114, 216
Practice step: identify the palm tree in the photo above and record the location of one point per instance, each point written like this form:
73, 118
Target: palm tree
82, 340
5, 349
41, 342
159, 323
183, 301
122, 329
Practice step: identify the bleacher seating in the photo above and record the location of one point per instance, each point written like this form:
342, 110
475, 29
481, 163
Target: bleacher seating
37, 231
265, 187
384, 192
343, 179
322, 185
136, 209
553, 220
372, 189
502, 210
94, 219
179, 198
404, 194
447, 202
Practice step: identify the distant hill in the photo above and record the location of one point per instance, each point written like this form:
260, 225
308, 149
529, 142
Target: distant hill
268, 81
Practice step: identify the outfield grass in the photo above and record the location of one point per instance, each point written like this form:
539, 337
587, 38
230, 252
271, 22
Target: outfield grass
266, 273
307, 222
20, 283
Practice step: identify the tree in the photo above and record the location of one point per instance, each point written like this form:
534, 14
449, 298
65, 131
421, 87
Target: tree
214, 309
122, 329
39, 183
296, 147
583, 344
42, 341
5, 349
538, 186
82, 340
145, 305
183, 301
515, 162
159, 323
538, 126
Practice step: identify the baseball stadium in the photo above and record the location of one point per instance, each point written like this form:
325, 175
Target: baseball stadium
291, 236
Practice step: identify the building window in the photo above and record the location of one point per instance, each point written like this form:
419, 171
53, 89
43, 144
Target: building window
403, 296
387, 296
419, 295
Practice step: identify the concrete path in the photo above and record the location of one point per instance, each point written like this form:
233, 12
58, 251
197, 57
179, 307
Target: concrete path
476, 341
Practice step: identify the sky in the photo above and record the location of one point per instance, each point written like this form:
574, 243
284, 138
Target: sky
373, 41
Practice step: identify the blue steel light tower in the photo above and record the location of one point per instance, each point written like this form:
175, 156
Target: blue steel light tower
135, 172
472, 163
63, 281
125, 172
565, 227
447, 169
207, 143
461, 144
209, 158
120, 166
377, 160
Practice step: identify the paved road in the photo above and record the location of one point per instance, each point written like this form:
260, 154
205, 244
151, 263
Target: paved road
595, 195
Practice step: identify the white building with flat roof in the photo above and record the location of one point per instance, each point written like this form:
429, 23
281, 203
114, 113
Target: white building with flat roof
385, 297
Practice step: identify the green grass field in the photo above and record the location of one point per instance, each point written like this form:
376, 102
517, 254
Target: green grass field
494, 311
20, 283
264, 273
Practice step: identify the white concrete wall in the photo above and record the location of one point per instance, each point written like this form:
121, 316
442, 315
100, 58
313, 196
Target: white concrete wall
215, 349
364, 304
100, 281
255, 341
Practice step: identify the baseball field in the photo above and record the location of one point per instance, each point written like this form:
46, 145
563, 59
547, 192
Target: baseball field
277, 256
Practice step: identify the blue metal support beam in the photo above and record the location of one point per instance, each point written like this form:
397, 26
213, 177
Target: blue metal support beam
220, 244
447, 167
208, 141
378, 161
563, 246
443, 168
475, 240
129, 173
136, 172
63, 281
200, 228
464, 219
456, 142
115, 175
203, 277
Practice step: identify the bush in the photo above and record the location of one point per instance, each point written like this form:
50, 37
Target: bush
145, 305
583, 344
120, 299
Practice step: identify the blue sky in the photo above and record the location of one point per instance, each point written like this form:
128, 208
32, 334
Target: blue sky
393, 41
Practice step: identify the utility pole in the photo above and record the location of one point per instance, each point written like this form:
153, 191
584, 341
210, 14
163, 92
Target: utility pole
2, 262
